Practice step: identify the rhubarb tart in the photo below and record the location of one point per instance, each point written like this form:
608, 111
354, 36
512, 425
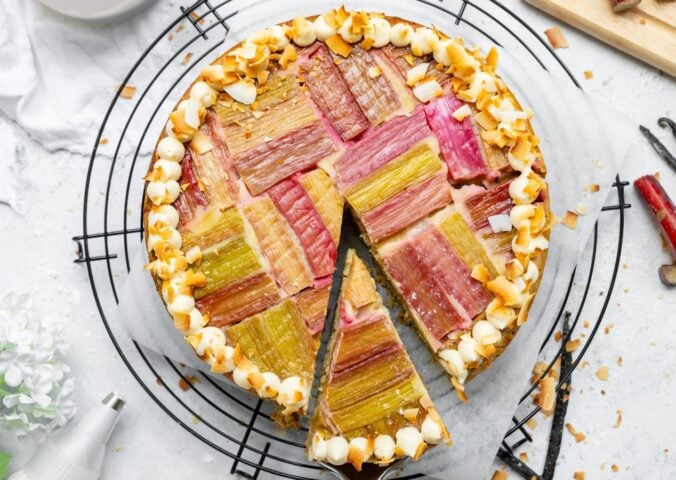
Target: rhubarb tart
415, 135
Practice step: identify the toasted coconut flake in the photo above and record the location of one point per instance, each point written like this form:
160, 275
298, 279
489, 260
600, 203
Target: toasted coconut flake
462, 113
459, 390
128, 91
573, 345
288, 56
200, 143
546, 397
411, 414
339, 46
513, 269
500, 223
499, 475
480, 273
570, 220
506, 290
374, 72
579, 436
428, 90
416, 74
367, 44
485, 351
186, 58
525, 306
181, 130
242, 91
356, 457
556, 38
492, 58
618, 420
463, 63
602, 373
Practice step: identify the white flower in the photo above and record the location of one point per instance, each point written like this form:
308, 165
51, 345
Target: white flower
35, 390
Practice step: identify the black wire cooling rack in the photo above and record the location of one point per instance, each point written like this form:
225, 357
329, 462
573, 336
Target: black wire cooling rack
226, 419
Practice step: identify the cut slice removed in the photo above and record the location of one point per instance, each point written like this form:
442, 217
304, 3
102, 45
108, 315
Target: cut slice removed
372, 406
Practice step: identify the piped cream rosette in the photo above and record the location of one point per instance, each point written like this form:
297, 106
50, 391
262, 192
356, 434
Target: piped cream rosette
410, 441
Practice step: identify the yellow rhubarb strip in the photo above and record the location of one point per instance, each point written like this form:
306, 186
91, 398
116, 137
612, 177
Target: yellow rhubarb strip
287, 259
326, 200
413, 166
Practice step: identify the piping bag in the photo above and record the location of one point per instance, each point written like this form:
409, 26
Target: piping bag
77, 452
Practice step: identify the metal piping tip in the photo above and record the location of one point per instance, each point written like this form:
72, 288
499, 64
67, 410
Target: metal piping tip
114, 401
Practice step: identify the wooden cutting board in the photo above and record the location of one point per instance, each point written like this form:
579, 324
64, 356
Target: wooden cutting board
647, 32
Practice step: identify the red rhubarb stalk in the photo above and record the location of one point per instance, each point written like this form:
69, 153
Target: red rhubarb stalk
661, 207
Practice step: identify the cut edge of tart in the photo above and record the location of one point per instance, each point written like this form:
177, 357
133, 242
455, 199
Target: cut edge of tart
476, 134
372, 406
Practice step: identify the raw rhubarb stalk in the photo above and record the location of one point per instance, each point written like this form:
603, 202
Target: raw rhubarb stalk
622, 5
661, 207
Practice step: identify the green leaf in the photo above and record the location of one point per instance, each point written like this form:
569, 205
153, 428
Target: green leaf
4, 464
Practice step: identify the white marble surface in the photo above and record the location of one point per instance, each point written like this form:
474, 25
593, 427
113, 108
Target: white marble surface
39, 253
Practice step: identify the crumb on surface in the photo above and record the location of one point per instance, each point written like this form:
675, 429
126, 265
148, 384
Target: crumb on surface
573, 345
547, 395
588, 74
579, 475
614, 468
556, 38
532, 423
618, 420
103, 141
186, 58
127, 92
523, 456
499, 475
602, 373
570, 219
579, 436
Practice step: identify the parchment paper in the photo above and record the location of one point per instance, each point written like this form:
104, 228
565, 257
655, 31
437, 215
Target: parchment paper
583, 142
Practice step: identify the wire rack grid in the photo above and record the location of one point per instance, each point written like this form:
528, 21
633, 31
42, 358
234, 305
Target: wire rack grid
226, 419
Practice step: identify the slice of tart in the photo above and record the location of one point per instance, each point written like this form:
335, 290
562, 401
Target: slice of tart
372, 405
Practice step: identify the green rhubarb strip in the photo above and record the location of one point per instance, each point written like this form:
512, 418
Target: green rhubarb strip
227, 262
277, 340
